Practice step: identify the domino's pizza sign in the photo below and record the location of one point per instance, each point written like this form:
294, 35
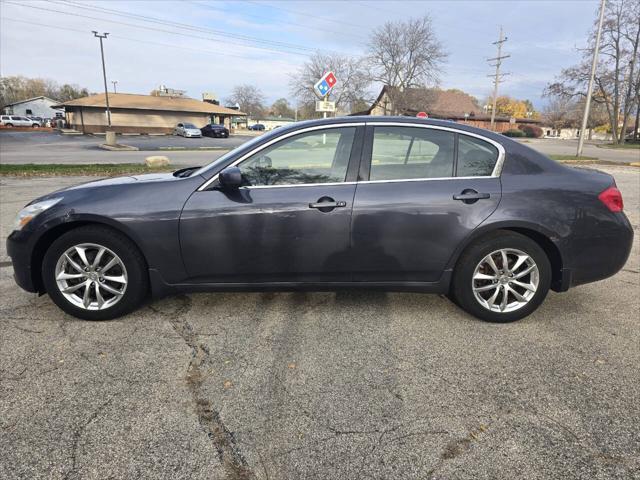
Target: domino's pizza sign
325, 84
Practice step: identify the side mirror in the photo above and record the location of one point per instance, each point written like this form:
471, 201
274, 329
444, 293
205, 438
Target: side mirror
230, 177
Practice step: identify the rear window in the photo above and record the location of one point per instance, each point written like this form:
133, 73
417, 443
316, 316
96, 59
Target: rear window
476, 158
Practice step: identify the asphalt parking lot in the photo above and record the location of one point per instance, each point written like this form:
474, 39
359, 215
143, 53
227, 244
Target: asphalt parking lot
321, 385
43, 147
23, 140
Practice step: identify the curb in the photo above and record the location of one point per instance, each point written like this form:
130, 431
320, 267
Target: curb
607, 163
118, 148
194, 149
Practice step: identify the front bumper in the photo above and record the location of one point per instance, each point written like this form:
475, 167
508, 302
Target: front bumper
20, 252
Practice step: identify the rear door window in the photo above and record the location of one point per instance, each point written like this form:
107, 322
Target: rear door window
406, 153
476, 158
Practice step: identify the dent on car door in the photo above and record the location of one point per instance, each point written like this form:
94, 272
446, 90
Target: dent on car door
426, 191
288, 223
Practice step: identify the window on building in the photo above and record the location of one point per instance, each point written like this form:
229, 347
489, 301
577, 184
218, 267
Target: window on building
29, 111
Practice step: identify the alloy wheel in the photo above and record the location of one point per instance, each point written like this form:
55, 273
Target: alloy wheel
505, 280
91, 276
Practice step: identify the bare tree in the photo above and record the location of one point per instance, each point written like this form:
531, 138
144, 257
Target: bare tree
566, 112
281, 108
16, 88
618, 74
249, 98
406, 54
350, 91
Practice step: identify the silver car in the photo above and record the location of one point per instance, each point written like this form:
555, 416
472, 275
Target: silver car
187, 130
17, 121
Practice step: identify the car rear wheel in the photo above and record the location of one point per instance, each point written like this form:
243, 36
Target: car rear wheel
95, 273
35, 125
502, 278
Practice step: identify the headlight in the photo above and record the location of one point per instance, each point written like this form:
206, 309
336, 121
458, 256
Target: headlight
29, 212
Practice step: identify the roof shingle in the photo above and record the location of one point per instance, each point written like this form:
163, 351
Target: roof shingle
149, 102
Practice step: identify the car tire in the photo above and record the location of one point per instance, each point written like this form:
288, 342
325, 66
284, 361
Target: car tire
131, 271
35, 125
9, 125
476, 281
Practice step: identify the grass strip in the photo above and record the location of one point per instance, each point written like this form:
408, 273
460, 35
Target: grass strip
92, 169
570, 157
622, 146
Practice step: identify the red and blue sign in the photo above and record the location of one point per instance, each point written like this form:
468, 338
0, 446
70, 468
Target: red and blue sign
325, 84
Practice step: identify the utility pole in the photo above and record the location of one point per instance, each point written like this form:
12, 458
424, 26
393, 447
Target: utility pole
104, 73
594, 63
497, 77
115, 82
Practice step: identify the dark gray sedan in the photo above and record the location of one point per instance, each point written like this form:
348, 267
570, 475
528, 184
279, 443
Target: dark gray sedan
391, 203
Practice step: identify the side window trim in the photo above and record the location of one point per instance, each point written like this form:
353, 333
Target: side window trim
455, 154
360, 126
365, 166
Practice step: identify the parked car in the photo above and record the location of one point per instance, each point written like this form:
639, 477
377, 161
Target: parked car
187, 130
257, 126
394, 203
38, 120
213, 130
17, 121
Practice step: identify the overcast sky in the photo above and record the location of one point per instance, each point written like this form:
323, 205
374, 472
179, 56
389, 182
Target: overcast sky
224, 43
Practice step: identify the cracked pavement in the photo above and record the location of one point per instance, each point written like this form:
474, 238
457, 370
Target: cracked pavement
320, 385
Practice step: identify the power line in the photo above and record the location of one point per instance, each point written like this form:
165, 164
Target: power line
137, 40
295, 24
271, 49
497, 77
185, 26
306, 14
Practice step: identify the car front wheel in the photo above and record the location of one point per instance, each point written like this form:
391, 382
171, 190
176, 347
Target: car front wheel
502, 277
95, 273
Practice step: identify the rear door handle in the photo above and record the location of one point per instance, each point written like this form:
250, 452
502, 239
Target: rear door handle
471, 196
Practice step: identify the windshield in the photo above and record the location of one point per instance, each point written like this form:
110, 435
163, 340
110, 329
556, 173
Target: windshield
189, 125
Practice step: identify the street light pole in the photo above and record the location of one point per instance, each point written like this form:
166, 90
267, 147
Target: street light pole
104, 73
594, 64
115, 82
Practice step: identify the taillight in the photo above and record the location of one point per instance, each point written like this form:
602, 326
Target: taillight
612, 198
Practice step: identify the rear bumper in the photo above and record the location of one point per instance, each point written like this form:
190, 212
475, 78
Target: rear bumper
600, 256
20, 252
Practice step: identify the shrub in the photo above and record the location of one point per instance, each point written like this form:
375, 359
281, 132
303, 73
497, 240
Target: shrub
531, 131
513, 133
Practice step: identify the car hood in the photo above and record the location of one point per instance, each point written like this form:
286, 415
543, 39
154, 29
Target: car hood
192, 130
109, 182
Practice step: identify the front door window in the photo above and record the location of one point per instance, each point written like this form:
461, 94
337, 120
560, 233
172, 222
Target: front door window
320, 156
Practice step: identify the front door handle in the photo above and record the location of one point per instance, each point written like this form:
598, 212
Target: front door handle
327, 204
469, 195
